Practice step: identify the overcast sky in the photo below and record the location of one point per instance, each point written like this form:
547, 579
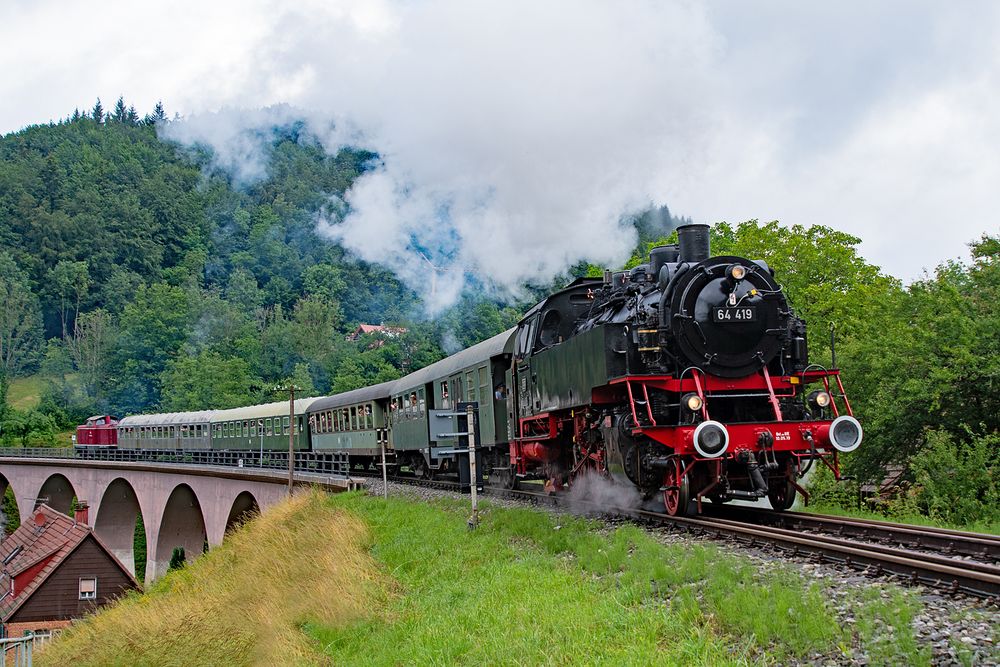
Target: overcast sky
546, 121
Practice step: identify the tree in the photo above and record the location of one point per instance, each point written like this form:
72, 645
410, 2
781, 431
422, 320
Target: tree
177, 559
71, 283
92, 345
208, 380
20, 318
152, 330
120, 114
98, 112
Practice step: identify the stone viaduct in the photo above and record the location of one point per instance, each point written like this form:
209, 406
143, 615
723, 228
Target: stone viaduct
181, 505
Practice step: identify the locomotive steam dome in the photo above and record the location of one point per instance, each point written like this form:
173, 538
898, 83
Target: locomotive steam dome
728, 316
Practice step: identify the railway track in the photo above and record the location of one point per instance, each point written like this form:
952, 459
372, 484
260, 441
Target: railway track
873, 547
957, 544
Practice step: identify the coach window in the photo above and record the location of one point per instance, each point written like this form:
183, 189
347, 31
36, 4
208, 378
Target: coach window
354, 419
184, 430
369, 416
284, 425
253, 428
421, 401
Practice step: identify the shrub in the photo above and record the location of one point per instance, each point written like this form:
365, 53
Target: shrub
956, 482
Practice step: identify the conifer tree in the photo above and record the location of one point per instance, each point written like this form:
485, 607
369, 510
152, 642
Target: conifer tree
98, 112
120, 114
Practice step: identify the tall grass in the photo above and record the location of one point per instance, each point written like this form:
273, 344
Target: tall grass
243, 603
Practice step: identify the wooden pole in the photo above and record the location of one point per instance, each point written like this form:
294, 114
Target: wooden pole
471, 425
291, 437
385, 476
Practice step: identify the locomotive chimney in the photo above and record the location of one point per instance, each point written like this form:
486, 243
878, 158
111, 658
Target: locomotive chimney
694, 242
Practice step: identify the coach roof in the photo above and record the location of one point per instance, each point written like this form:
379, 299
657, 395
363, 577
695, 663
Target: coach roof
363, 395
199, 417
472, 356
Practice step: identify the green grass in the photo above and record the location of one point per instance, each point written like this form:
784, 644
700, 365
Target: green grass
991, 527
883, 618
25, 393
530, 588
357, 580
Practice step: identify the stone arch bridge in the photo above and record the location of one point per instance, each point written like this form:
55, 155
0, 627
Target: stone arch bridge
181, 505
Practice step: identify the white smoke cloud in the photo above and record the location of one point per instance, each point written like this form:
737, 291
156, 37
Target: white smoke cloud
514, 137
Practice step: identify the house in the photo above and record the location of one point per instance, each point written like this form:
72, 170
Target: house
380, 330
54, 569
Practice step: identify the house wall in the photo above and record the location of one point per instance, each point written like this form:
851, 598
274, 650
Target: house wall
18, 629
59, 597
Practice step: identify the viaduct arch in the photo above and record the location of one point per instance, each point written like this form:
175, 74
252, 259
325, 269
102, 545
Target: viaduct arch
180, 505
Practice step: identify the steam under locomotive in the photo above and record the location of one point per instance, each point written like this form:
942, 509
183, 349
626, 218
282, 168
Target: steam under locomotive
686, 376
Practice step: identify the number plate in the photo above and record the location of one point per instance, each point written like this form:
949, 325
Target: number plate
738, 314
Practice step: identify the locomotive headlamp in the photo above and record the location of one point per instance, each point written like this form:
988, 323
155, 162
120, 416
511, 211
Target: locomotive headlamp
845, 433
736, 272
711, 439
692, 402
819, 399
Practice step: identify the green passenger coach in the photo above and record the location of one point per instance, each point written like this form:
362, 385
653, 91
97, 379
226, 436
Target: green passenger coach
166, 432
422, 405
352, 422
260, 427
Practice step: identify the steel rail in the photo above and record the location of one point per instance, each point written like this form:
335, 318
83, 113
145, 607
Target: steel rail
935, 571
981, 546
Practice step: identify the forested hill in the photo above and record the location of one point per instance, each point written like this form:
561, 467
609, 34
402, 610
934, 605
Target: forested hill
135, 278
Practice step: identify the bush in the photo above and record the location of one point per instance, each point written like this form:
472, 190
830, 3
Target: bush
27, 429
956, 482
825, 490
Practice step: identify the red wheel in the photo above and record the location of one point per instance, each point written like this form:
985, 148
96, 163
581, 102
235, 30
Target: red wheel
676, 489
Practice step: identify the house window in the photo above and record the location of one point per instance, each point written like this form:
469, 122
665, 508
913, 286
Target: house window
88, 588
40, 636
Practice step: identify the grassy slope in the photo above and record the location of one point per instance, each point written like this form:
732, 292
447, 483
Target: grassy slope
243, 602
25, 392
358, 580
530, 588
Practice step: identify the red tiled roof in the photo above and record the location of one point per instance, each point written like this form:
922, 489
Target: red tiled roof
48, 532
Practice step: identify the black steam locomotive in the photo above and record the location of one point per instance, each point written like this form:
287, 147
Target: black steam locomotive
687, 375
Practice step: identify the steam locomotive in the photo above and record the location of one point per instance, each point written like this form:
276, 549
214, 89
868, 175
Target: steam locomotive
686, 376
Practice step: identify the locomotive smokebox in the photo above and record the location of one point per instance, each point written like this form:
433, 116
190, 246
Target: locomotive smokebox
694, 242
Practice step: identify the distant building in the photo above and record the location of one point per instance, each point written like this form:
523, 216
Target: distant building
379, 331
54, 569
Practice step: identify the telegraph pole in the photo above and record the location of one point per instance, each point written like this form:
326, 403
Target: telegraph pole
471, 425
291, 437
291, 389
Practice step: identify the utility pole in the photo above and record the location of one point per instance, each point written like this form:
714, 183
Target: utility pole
291, 389
471, 425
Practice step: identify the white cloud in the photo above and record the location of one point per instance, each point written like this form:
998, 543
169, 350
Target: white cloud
514, 135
